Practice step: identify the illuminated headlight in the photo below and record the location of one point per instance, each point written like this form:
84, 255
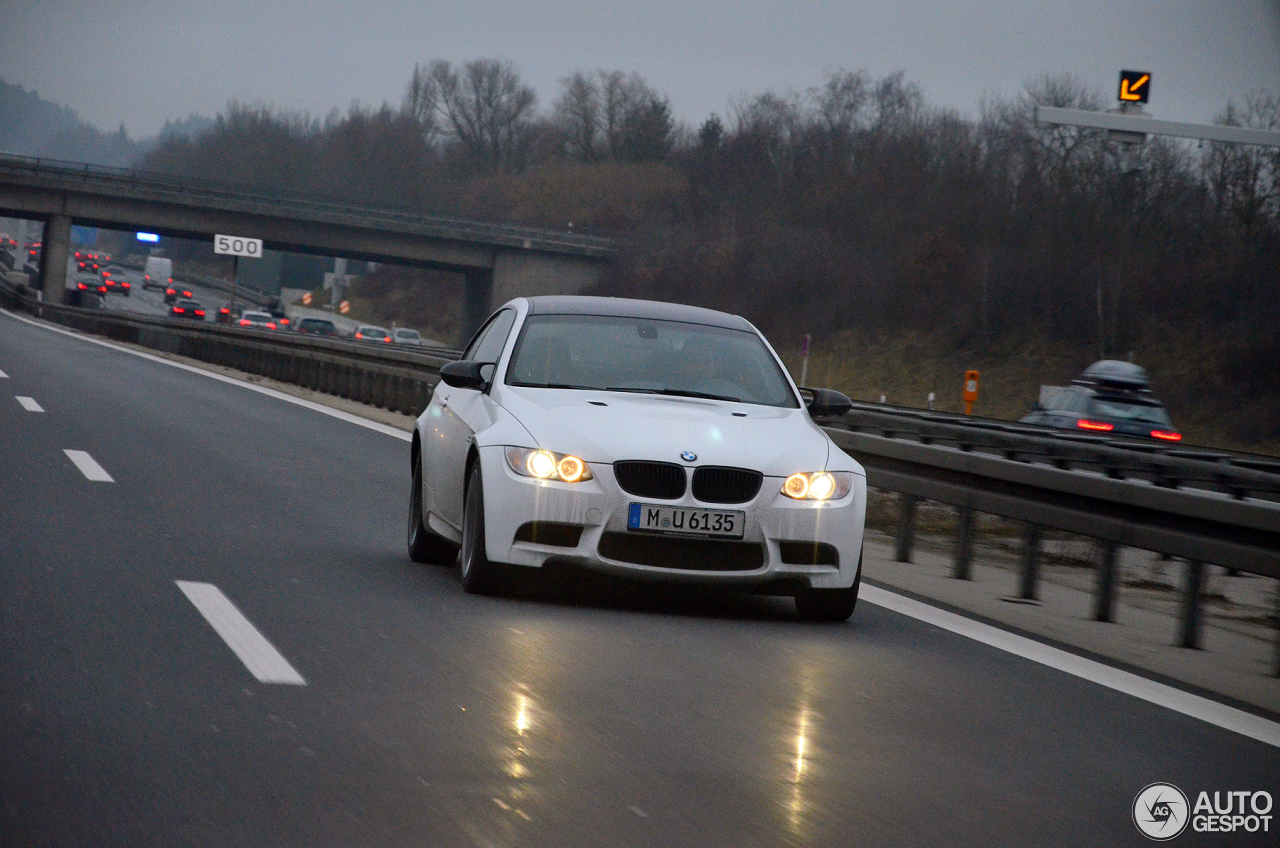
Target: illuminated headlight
818, 485
545, 465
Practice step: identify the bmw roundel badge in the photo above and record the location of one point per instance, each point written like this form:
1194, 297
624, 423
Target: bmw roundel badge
688, 456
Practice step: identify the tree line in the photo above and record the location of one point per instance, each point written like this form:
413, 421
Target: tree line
854, 205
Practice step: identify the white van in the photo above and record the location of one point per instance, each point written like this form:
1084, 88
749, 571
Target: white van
158, 273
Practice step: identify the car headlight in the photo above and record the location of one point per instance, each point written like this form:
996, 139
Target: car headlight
545, 465
818, 485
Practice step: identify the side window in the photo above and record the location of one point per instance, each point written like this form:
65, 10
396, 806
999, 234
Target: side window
488, 345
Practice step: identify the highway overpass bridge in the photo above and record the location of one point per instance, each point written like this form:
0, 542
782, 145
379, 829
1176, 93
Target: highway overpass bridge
499, 261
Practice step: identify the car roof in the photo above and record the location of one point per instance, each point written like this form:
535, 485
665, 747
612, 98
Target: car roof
185, 302
256, 314
624, 307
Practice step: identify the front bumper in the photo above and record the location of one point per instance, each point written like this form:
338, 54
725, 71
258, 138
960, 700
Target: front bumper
779, 543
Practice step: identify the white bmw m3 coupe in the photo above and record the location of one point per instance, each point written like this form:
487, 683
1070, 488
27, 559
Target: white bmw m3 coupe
641, 439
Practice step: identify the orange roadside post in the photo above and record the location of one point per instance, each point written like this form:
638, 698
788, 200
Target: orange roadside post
970, 393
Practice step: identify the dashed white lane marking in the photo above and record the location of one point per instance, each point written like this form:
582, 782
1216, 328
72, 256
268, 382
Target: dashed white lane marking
253, 649
3, 376
385, 429
29, 404
88, 466
1219, 715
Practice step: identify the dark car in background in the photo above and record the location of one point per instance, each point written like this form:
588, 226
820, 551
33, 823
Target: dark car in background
187, 309
115, 280
172, 293
1109, 397
316, 327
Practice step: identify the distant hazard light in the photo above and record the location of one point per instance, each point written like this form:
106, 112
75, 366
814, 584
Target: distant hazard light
151, 237
1135, 87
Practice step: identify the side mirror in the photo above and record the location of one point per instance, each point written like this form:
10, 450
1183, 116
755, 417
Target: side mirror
823, 402
466, 374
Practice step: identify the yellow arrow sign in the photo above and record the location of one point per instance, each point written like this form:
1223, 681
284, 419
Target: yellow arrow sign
1135, 86
1130, 92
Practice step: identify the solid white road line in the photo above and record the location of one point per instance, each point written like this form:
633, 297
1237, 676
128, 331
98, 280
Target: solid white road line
29, 404
253, 649
3, 376
1219, 715
315, 407
88, 466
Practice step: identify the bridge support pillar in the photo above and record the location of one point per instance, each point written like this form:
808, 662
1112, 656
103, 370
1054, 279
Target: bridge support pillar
477, 302
53, 258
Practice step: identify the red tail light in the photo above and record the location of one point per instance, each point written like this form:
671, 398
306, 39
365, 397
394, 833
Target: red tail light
146, 277
1100, 426
1167, 435
358, 336
270, 326
126, 285
178, 310
171, 281
82, 286
386, 339
225, 311
200, 312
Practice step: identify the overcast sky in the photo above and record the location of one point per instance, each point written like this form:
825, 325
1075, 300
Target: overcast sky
142, 62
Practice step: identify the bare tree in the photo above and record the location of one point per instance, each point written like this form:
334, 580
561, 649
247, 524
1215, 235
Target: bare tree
577, 114
421, 100
486, 108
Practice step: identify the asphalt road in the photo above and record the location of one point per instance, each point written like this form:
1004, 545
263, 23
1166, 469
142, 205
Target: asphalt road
574, 713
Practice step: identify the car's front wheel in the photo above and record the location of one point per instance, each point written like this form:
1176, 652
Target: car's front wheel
425, 546
829, 604
479, 575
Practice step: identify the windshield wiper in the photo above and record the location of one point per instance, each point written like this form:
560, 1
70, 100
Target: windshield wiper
551, 386
673, 393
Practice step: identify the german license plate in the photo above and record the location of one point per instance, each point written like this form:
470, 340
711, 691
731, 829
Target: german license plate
686, 521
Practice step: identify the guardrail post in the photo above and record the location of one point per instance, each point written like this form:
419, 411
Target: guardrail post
1192, 589
906, 526
1030, 578
1275, 621
1104, 596
964, 543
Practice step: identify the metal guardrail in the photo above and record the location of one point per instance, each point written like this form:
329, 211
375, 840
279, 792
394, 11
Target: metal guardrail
400, 380
113, 180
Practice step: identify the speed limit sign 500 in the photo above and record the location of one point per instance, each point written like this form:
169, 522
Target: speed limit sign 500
237, 246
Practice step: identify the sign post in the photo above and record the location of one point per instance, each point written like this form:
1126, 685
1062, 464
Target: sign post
235, 247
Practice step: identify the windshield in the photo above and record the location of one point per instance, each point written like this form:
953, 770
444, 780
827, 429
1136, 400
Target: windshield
646, 356
1119, 409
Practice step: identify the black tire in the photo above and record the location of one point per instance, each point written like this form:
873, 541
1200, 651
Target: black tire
830, 605
425, 546
480, 576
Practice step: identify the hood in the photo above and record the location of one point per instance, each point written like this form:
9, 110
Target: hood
604, 427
